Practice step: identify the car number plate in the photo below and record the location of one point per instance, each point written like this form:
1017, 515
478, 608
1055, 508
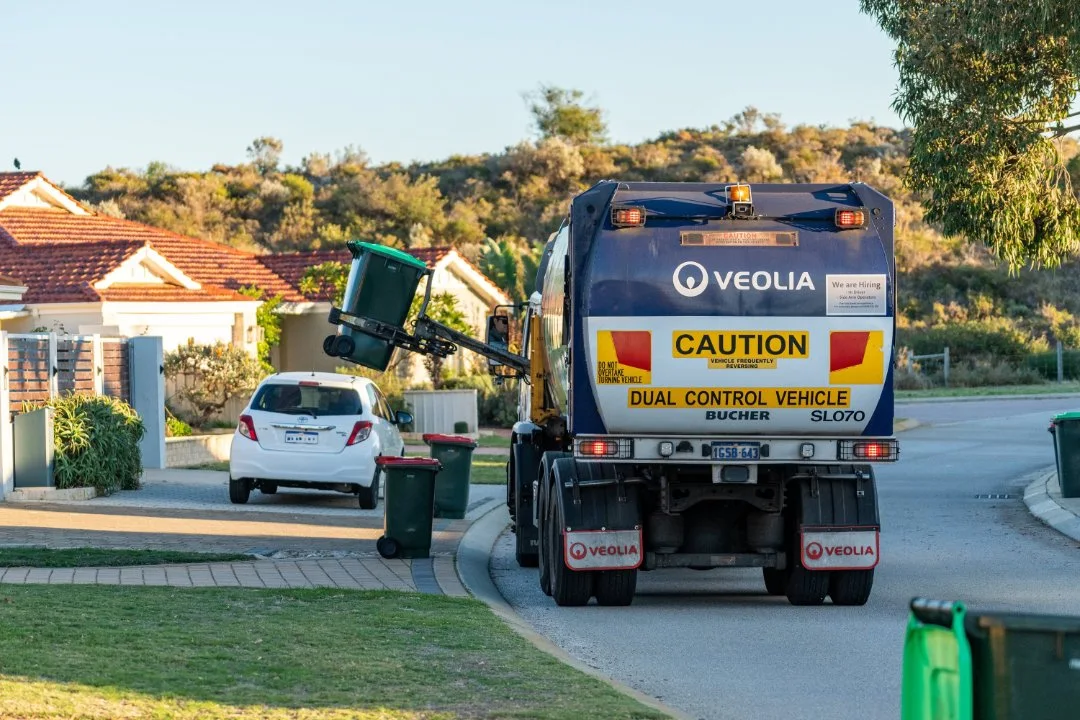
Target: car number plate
296, 437
736, 451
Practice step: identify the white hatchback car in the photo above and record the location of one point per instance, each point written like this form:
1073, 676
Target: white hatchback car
314, 430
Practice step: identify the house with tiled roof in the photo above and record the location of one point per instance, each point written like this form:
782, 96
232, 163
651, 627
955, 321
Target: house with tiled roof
82, 272
305, 323
86, 273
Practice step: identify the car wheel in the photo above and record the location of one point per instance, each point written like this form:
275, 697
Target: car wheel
369, 496
268, 488
239, 491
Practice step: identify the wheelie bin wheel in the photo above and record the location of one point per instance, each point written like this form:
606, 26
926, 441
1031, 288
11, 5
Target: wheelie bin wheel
387, 547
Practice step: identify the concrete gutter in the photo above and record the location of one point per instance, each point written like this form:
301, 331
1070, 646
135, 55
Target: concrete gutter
473, 558
1043, 498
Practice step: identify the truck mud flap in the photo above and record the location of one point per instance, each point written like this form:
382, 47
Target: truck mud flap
838, 522
593, 496
601, 516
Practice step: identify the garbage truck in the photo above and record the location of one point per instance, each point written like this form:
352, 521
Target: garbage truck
705, 382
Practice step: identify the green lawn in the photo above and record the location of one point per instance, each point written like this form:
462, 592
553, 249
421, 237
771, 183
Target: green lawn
494, 441
488, 470
135, 652
1043, 389
94, 557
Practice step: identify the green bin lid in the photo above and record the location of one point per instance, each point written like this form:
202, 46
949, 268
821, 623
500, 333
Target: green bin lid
1071, 415
399, 255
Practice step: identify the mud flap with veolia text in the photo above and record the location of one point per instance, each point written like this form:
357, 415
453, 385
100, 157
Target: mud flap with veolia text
601, 516
838, 521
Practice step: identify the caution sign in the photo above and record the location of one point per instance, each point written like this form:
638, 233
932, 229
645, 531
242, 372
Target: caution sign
624, 357
857, 357
739, 350
739, 398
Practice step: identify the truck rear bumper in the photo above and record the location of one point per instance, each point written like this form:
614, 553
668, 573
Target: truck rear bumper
749, 450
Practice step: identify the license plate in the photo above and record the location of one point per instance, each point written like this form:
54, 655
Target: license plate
736, 451
295, 437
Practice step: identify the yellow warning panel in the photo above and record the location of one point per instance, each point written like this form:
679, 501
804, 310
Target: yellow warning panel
624, 357
741, 350
751, 398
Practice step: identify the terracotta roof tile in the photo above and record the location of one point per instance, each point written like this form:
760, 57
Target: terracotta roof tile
213, 265
12, 181
292, 266
64, 274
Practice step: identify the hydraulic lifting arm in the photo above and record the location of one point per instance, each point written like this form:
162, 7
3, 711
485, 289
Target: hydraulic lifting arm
430, 337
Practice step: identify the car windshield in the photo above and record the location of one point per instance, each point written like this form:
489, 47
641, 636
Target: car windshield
313, 400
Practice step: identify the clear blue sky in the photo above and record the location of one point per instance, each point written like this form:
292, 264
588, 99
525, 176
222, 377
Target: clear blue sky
92, 84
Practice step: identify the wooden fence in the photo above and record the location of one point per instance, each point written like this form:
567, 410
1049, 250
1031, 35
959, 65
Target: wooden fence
40, 366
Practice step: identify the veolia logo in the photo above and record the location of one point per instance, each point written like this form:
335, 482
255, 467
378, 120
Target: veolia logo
691, 278
691, 283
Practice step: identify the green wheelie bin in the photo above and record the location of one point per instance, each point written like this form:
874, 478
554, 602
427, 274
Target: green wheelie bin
454, 452
381, 286
965, 665
1066, 431
407, 507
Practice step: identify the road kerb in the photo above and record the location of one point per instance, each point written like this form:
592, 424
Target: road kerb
1043, 506
473, 559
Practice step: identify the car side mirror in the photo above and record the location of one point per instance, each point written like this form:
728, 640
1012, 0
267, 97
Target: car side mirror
402, 418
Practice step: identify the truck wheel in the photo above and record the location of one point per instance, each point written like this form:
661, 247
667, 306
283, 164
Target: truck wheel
615, 587
806, 587
568, 587
851, 587
527, 557
775, 580
545, 545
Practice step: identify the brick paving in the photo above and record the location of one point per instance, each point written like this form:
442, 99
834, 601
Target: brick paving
297, 540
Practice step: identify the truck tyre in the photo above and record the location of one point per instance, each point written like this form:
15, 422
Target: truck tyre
568, 587
543, 562
775, 580
615, 587
806, 587
851, 587
527, 557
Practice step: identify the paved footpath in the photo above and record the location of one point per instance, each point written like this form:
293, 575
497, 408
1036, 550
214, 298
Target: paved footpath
296, 539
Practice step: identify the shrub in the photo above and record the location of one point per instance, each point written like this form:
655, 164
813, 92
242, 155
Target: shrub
175, 427
998, 337
97, 442
212, 375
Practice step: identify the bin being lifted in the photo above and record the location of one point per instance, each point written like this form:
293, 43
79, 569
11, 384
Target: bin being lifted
378, 294
710, 384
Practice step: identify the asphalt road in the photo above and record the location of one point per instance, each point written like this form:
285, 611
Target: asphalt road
715, 645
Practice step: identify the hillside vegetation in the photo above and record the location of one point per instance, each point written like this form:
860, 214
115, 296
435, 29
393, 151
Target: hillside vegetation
499, 208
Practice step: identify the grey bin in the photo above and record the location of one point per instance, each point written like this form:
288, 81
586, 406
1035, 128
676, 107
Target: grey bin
32, 434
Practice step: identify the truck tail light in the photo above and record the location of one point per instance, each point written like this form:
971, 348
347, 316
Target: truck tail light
246, 426
361, 431
850, 218
871, 450
616, 448
627, 216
